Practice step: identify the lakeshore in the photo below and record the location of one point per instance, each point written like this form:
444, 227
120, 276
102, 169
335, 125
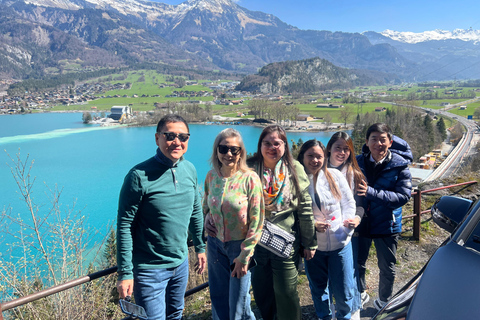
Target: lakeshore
88, 162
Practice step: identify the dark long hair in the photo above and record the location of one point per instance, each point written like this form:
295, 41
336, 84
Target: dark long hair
287, 156
353, 170
331, 182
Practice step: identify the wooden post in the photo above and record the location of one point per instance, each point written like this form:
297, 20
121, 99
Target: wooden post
417, 205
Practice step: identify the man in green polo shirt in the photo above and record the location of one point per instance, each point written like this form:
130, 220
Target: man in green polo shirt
159, 204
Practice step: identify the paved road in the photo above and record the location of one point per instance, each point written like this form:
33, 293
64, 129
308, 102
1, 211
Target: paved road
453, 162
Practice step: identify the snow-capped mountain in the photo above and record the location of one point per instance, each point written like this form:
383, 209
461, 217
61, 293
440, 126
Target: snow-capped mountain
412, 37
218, 31
220, 34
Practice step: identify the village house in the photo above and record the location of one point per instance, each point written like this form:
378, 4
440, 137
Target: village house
304, 117
329, 105
120, 112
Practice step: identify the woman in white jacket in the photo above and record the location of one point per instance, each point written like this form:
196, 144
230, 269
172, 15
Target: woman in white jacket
332, 204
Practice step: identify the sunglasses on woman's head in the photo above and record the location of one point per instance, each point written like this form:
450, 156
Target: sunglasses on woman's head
223, 149
170, 136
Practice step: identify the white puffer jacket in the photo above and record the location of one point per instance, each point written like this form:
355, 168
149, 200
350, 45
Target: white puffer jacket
332, 211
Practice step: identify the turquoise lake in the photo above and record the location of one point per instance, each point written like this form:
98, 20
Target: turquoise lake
89, 162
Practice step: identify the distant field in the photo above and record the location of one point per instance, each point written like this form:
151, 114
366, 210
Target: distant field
312, 109
464, 113
147, 83
435, 104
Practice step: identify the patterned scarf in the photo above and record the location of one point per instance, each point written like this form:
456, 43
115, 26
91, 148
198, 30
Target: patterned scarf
276, 188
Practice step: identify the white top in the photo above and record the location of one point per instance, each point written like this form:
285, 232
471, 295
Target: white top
332, 210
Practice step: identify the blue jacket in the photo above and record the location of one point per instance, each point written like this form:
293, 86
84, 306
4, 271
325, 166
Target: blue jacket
387, 191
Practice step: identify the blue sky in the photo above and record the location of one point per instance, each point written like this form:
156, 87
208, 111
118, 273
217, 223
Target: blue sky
369, 15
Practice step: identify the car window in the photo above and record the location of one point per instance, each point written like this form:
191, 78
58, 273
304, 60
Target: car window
473, 241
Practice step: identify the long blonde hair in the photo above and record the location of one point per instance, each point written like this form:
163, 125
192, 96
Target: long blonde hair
242, 161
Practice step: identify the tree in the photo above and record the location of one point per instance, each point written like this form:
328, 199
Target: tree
258, 108
180, 82
442, 129
49, 247
296, 147
86, 117
456, 133
327, 119
345, 114
476, 113
427, 123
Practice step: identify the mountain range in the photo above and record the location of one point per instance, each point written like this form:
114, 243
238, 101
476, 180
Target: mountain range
41, 36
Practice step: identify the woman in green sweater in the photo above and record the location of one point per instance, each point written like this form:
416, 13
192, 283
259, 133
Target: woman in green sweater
289, 206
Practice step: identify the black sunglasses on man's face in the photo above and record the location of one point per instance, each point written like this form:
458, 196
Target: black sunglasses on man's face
170, 136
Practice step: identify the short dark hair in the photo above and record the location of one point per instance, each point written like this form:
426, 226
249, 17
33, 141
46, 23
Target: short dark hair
169, 118
379, 127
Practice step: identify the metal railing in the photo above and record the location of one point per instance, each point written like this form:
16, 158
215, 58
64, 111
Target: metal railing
70, 284
417, 204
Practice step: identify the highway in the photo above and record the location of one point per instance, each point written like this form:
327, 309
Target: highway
452, 163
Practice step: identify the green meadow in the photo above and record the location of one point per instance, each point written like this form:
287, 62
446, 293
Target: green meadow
149, 87
145, 84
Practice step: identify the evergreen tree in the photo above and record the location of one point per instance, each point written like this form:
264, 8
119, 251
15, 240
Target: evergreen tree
427, 123
442, 129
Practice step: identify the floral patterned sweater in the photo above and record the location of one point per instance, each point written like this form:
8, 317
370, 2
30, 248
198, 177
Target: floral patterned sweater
237, 208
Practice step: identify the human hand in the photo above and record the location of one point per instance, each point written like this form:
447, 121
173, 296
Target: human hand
201, 262
125, 288
210, 226
362, 189
352, 223
308, 254
321, 226
240, 269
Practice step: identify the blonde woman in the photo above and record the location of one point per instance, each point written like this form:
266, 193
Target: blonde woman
234, 212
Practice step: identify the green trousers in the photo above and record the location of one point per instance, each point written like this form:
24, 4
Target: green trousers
274, 283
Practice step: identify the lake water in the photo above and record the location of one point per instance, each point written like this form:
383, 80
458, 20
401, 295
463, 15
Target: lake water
89, 162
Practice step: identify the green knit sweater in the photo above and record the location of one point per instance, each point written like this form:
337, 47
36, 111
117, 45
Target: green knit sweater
158, 205
298, 218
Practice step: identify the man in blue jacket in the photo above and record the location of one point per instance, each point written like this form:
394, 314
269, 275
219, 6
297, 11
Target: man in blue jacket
384, 163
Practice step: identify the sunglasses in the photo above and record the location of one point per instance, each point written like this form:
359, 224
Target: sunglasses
223, 149
170, 136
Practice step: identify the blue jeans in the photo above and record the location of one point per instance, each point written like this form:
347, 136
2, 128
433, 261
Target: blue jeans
230, 296
161, 291
357, 301
335, 267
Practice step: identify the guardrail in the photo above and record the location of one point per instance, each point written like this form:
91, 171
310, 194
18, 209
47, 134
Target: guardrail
70, 284
417, 205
